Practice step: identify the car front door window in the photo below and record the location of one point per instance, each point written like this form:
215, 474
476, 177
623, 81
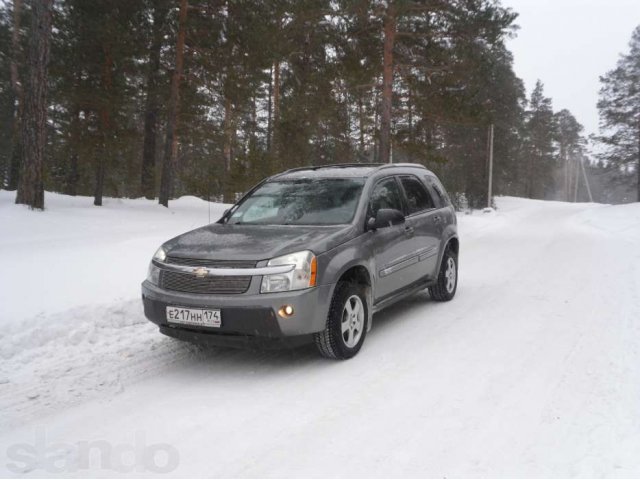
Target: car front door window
386, 194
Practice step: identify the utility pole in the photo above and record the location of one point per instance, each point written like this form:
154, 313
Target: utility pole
586, 181
490, 189
575, 191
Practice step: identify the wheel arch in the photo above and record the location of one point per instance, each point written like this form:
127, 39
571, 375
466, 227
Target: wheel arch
360, 274
453, 241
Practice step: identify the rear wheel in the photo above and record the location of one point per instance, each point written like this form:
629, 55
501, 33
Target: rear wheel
447, 282
346, 324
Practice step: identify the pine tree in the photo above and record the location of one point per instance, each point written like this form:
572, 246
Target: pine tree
539, 145
570, 150
160, 10
619, 108
34, 121
7, 101
18, 96
171, 140
97, 68
390, 26
272, 85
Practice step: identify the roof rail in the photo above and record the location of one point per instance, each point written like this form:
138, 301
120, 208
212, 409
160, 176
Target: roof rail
391, 165
335, 165
380, 166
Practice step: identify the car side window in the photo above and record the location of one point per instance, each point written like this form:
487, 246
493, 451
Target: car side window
437, 187
418, 198
386, 194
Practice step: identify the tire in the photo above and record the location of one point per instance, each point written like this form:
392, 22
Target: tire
346, 323
447, 282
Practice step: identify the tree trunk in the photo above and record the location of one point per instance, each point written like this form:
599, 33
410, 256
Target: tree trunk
276, 93
638, 166
171, 142
227, 150
530, 161
18, 100
276, 107
254, 120
564, 158
361, 125
375, 152
105, 126
72, 174
98, 188
410, 136
269, 109
228, 135
147, 179
15, 156
34, 119
387, 83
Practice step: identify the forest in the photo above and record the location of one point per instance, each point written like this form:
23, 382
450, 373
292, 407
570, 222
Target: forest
163, 98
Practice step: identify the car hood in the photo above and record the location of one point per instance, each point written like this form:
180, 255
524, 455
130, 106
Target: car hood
256, 242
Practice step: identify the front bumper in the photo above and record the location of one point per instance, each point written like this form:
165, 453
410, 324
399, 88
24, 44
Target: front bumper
243, 315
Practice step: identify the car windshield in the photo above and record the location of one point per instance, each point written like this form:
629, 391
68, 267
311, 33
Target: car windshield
321, 201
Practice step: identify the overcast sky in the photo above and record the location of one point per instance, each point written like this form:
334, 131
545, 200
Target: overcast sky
568, 44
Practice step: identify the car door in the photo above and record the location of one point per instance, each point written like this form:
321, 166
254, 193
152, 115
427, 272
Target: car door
425, 224
390, 245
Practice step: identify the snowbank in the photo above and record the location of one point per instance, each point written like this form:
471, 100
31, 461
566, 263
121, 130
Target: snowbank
75, 254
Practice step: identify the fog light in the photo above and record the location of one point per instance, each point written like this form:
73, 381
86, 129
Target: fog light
285, 311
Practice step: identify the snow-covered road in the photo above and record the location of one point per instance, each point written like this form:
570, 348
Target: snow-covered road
532, 370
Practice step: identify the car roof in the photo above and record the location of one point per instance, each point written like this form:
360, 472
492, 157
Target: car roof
346, 170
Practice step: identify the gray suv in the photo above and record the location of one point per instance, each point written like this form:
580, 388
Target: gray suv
308, 255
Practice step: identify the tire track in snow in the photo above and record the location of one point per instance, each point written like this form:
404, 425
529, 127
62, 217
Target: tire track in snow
59, 361
467, 388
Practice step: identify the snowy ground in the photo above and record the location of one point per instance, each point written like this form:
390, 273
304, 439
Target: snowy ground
532, 370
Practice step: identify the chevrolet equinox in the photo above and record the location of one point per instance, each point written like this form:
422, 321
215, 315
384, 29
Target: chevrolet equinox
308, 255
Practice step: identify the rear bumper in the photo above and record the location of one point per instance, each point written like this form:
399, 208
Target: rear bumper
242, 315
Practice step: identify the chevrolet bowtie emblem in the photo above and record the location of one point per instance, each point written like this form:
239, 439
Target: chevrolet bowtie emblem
200, 272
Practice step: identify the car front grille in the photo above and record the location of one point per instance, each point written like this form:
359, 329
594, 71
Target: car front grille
200, 262
189, 283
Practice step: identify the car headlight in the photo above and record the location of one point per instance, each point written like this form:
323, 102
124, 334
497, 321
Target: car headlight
160, 255
302, 276
153, 274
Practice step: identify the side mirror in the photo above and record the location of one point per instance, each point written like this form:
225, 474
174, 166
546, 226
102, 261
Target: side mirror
386, 217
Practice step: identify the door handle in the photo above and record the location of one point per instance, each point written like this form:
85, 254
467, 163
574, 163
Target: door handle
436, 219
409, 231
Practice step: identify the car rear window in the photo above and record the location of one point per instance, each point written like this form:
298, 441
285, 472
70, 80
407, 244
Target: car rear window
418, 198
443, 197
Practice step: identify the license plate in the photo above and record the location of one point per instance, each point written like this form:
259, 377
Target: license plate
194, 316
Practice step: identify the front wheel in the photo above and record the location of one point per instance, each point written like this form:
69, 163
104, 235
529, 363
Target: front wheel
447, 282
346, 324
